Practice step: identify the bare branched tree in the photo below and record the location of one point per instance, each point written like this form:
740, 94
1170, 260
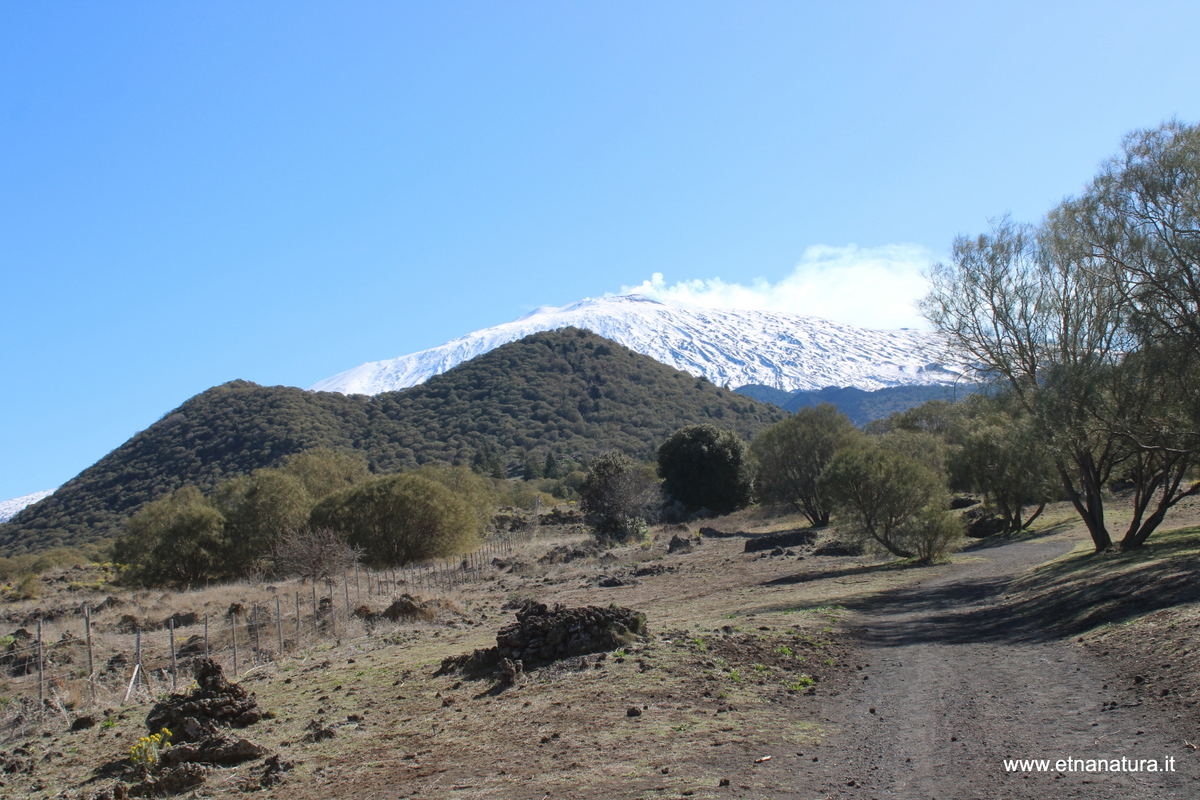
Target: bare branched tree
1140, 220
313, 553
1084, 319
1013, 303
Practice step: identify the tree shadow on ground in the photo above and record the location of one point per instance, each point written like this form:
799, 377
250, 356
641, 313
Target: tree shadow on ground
1002, 539
834, 573
1061, 599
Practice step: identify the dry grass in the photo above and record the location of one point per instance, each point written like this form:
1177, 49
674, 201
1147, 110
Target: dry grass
718, 681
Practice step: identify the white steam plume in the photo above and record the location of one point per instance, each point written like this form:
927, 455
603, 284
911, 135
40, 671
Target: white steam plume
873, 287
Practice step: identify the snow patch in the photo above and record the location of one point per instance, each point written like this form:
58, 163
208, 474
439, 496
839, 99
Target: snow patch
10, 508
729, 347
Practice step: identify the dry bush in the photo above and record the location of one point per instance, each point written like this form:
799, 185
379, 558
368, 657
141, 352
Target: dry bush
314, 553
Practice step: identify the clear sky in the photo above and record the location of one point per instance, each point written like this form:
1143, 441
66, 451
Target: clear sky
192, 192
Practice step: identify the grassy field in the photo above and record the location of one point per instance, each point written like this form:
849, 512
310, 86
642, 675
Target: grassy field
746, 654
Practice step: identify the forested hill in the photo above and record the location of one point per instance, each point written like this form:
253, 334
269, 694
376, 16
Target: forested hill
566, 392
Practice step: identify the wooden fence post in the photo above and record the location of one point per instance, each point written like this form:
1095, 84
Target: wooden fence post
87, 628
41, 668
332, 608
171, 644
138, 669
279, 624
233, 633
255, 635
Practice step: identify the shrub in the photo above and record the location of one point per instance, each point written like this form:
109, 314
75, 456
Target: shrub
313, 553
178, 539
399, 518
703, 466
617, 497
884, 493
931, 534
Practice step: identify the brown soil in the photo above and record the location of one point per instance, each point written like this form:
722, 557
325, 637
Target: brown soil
777, 676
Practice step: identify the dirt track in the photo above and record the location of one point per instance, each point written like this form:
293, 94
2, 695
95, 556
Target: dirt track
952, 691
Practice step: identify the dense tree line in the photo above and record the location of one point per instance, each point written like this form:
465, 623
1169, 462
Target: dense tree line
318, 505
546, 403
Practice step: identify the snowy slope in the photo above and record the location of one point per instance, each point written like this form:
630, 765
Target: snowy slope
9, 508
729, 347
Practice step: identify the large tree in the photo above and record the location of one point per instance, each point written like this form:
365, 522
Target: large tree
399, 518
705, 467
1080, 319
1015, 304
790, 455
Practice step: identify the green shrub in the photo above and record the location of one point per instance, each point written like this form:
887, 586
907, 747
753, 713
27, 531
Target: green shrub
931, 534
617, 497
885, 495
702, 466
400, 518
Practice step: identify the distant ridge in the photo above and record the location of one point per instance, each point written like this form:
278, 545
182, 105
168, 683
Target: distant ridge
729, 347
861, 407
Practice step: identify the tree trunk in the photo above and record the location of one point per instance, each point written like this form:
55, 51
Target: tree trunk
1035, 515
886, 541
1090, 507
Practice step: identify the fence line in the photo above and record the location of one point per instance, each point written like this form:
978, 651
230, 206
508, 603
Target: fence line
156, 661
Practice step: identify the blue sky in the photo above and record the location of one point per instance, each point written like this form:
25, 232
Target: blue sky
196, 192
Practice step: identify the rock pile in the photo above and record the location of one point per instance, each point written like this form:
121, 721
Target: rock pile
613, 581
651, 570
543, 634
981, 523
837, 547
713, 533
198, 743
680, 544
561, 516
564, 554
201, 714
20, 657
407, 608
511, 564
194, 646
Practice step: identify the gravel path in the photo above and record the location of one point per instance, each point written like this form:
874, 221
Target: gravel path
950, 692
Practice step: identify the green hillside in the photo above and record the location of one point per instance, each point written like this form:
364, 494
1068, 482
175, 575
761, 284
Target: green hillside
566, 392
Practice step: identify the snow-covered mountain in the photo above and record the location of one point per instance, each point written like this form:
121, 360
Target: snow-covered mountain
10, 508
729, 347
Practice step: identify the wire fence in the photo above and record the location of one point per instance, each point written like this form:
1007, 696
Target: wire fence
86, 668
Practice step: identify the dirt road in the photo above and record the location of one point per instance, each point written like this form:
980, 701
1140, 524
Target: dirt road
953, 689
